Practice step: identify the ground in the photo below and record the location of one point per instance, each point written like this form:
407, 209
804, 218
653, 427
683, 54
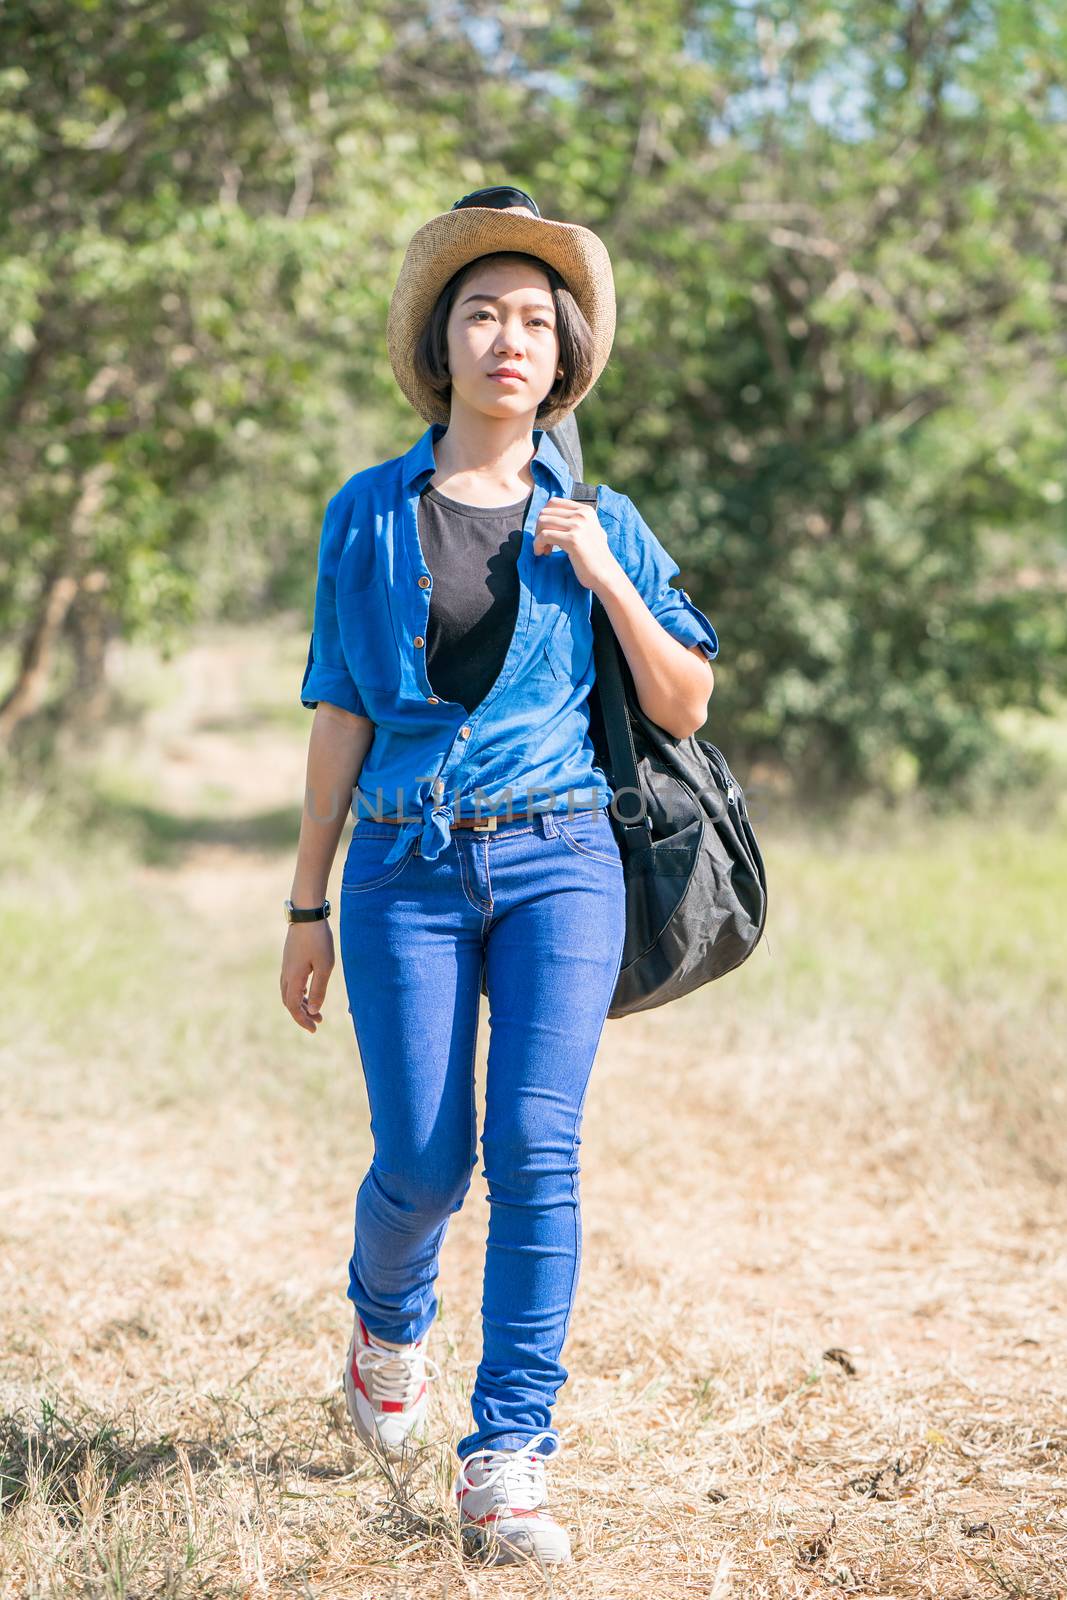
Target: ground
820, 1334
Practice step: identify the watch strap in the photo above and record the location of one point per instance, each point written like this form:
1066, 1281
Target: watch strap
307, 913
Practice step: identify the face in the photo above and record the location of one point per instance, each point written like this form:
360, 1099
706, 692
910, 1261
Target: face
503, 316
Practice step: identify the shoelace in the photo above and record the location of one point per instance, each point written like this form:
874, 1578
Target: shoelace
521, 1472
394, 1374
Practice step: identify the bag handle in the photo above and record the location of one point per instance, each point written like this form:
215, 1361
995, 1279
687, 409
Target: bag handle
630, 812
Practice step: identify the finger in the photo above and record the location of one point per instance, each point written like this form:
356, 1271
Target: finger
293, 1000
554, 539
299, 1018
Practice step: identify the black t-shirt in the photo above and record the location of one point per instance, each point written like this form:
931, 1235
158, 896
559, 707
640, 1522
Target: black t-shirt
472, 554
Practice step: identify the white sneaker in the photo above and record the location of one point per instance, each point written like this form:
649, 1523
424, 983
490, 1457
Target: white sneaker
386, 1389
501, 1497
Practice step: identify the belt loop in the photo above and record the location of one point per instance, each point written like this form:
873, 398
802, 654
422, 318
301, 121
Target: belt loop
548, 824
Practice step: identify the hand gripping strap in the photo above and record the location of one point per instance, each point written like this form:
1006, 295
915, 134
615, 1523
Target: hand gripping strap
629, 812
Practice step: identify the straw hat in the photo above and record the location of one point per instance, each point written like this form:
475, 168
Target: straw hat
450, 241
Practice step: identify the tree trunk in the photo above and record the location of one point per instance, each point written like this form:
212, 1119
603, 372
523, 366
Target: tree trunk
91, 628
58, 591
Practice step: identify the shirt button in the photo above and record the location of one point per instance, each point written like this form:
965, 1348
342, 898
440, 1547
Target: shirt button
433, 700
424, 583
465, 733
418, 641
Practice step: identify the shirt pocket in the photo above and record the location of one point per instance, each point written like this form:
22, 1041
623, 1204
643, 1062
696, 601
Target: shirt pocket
368, 638
568, 647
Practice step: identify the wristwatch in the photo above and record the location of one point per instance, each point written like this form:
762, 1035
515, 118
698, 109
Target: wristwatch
308, 913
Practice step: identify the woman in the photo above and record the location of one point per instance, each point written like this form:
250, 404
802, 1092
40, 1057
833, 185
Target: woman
452, 650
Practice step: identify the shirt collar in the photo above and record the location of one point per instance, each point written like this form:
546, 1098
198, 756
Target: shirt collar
547, 465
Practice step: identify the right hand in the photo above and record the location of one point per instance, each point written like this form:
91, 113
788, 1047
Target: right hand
308, 953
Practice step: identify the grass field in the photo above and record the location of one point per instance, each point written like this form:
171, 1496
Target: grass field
820, 1340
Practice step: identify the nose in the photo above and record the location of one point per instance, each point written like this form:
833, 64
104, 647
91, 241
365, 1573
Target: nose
509, 339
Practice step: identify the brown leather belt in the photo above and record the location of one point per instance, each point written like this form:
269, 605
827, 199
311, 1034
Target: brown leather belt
487, 824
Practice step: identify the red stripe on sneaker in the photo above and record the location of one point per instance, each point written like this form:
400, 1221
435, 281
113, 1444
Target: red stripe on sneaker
398, 1405
495, 1516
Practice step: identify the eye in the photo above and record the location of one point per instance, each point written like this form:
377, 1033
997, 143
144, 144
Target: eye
542, 320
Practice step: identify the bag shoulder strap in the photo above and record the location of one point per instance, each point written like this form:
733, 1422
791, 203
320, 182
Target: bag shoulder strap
629, 806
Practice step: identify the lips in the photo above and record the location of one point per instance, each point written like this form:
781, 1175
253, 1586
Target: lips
517, 376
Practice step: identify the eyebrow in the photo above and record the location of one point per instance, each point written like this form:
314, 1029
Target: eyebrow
531, 305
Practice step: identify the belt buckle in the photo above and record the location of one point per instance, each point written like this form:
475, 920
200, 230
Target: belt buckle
488, 826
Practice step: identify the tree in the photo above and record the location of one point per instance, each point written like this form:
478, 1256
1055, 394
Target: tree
836, 389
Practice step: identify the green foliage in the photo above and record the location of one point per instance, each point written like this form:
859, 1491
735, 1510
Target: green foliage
837, 384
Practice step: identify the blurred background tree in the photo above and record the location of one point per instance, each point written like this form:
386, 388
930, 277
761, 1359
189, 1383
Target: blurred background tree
836, 390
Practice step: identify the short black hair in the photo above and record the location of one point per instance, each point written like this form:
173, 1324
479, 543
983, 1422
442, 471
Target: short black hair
573, 331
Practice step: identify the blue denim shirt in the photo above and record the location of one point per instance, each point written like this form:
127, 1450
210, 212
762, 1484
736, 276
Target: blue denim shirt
527, 744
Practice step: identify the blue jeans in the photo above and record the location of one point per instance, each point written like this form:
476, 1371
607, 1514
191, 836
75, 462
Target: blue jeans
541, 901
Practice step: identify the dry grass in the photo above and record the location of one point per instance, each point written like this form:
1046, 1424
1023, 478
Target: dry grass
820, 1337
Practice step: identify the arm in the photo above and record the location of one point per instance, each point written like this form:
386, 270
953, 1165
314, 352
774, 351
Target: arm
668, 642
336, 750
673, 680
341, 735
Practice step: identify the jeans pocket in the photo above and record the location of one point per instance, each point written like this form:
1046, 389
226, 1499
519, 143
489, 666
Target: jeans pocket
365, 865
590, 834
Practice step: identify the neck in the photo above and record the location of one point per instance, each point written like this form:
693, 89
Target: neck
496, 450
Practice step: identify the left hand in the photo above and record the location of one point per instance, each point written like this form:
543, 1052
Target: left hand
573, 526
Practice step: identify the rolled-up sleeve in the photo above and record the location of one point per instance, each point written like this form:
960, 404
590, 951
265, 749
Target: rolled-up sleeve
326, 676
650, 569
